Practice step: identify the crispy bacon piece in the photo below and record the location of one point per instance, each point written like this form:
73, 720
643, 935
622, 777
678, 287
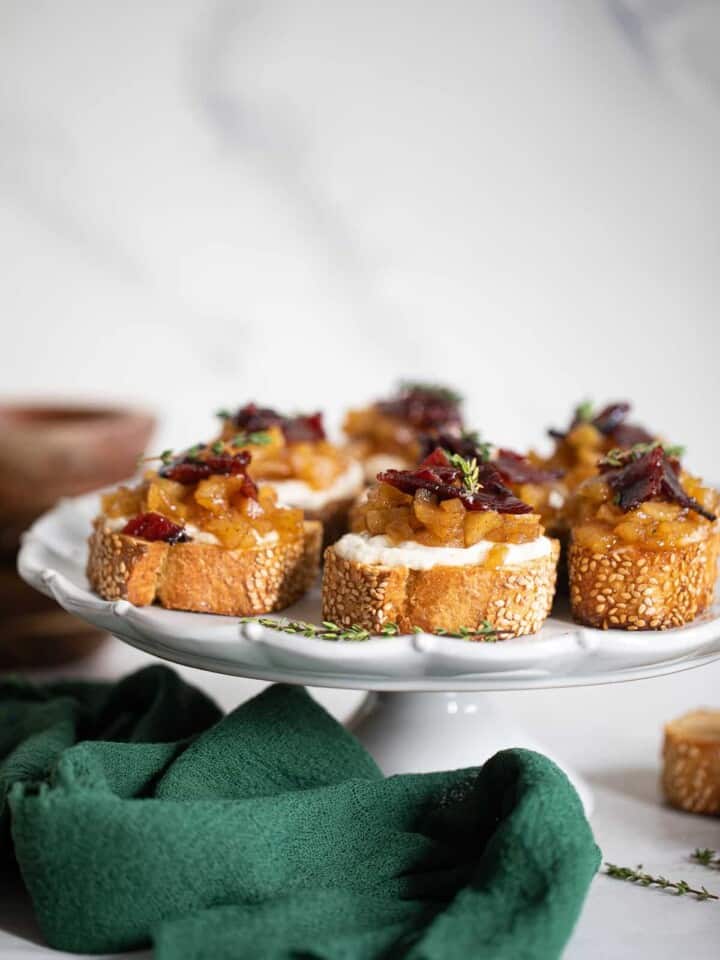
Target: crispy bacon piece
305, 428
650, 476
424, 408
191, 468
437, 475
516, 468
154, 526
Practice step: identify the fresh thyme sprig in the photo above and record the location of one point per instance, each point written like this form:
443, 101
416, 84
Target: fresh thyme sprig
257, 438
469, 469
584, 411
680, 887
328, 630
706, 857
617, 457
166, 457
192, 453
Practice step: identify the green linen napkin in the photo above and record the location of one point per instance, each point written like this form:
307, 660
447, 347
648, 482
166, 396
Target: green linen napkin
138, 814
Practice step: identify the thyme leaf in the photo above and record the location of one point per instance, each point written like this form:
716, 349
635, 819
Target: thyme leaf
469, 469
706, 857
584, 411
258, 438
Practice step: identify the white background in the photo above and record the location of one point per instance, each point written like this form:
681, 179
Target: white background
203, 202
207, 202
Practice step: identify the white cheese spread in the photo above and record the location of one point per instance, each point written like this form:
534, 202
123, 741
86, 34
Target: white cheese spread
363, 548
297, 493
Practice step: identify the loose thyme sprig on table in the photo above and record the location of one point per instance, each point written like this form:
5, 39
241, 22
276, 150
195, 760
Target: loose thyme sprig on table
706, 857
679, 887
332, 631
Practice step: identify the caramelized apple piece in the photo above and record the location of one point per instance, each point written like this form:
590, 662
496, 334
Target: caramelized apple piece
478, 525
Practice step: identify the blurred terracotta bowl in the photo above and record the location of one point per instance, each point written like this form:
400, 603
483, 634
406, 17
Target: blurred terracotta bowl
50, 451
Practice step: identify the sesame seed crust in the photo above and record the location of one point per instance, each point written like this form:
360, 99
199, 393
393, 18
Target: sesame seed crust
514, 598
634, 589
203, 577
691, 762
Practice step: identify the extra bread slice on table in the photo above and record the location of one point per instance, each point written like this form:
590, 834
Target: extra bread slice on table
634, 589
514, 599
691, 754
203, 577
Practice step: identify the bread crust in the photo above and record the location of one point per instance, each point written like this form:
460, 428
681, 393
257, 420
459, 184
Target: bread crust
203, 577
515, 598
634, 589
691, 762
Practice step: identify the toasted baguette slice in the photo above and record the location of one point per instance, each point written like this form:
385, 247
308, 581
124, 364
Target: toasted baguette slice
200, 576
691, 754
334, 518
633, 589
513, 599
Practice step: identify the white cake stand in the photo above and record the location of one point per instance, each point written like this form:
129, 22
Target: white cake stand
427, 706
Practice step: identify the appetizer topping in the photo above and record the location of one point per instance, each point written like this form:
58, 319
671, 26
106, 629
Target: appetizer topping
478, 486
202, 461
221, 500
394, 426
641, 497
444, 503
529, 481
285, 448
641, 474
610, 422
423, 406
153, 526
303, 428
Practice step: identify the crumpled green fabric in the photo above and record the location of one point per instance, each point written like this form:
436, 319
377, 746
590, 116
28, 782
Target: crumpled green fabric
138, 814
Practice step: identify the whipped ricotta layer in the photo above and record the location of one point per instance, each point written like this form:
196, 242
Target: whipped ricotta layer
115, 524
297, 493
363, 548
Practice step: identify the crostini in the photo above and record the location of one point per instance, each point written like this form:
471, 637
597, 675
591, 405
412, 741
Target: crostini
691, 762
198, 534
444, 546
644, 542
387, 434
293, 454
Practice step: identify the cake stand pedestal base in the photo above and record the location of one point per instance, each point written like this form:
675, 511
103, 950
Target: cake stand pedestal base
424, 732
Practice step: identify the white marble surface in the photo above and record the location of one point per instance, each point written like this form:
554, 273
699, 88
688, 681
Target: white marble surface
611, 736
